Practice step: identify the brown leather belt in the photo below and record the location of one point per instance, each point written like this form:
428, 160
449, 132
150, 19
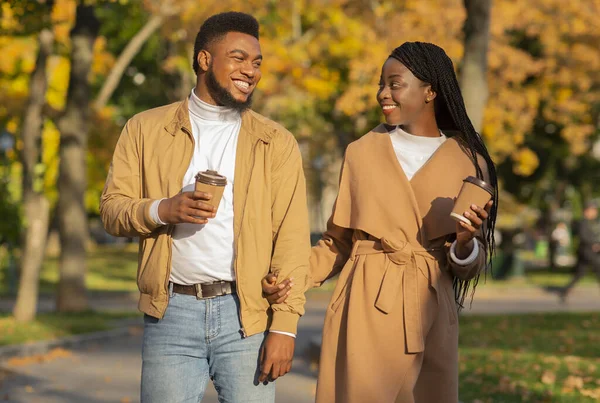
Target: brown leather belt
206, 290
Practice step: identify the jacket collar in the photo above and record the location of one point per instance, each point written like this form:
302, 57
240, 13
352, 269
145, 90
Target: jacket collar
250, 122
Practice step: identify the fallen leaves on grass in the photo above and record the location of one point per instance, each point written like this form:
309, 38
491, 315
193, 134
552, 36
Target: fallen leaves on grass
548, 378
538, 358
573, 382
593, 393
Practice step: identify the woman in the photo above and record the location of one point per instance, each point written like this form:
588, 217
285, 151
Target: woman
391, 329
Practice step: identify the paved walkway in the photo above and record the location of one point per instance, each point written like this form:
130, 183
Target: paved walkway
110, 371
521, 298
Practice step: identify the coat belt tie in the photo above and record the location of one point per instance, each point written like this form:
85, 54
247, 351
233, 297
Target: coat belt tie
401, 272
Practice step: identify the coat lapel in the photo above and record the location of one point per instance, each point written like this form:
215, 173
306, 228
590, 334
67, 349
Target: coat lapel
375, 195
405, 183
436, 186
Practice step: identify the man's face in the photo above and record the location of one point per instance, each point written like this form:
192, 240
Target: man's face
234, 70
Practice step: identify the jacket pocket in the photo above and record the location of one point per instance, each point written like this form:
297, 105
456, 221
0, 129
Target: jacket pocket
343, 286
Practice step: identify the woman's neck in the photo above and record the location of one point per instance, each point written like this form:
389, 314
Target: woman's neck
423, 130
424, 125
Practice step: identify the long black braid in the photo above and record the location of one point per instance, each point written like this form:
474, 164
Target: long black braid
430, 64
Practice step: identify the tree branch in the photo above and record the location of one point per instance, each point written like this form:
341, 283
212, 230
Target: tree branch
125, 58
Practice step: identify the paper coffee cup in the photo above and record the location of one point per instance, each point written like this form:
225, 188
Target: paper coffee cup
473, 191
213, 183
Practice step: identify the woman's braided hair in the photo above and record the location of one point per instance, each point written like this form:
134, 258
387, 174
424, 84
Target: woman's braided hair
430, 64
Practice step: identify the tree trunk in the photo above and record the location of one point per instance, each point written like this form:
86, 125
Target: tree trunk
36, 206
72, 183
330, 178
473, 75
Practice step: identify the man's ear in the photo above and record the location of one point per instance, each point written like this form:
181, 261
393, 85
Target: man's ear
204, 60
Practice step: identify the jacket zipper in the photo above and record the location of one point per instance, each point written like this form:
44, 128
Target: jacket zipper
235, 244
171, 227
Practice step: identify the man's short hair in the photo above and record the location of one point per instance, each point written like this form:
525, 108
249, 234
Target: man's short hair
219, 25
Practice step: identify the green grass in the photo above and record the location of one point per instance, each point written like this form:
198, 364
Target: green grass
110, 268
49, 326
530, 358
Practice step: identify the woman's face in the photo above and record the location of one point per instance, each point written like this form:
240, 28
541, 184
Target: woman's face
402, 96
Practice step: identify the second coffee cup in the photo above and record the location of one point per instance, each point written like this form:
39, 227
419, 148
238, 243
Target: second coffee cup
473, 191
211, 182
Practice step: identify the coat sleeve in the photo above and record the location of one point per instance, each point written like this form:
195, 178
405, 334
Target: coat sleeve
330, 254
291, 234
123, 210
471, 270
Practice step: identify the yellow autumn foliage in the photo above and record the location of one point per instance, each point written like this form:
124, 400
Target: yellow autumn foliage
526, 161
322, 61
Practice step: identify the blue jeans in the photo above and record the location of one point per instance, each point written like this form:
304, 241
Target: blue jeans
195, 340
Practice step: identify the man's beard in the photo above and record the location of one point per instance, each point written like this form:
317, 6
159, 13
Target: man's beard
222, 96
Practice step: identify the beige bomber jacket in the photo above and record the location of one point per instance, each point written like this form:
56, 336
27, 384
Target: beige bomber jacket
271, 229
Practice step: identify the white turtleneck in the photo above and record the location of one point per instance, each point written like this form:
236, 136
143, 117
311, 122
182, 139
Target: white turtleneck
204, 253
413, 152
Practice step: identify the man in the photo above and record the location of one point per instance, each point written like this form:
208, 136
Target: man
200, 268
588, 252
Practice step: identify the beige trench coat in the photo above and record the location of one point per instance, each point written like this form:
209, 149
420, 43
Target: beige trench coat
391, 329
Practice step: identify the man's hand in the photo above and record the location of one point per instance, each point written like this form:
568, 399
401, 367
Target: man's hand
276, 356
595, 248
187, 207
276, 293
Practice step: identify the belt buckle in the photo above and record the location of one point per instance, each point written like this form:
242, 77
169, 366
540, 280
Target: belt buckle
198, 288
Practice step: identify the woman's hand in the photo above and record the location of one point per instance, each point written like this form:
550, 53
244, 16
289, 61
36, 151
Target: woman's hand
273, 292
465, 232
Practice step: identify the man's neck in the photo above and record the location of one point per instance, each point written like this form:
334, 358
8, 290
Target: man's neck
205, 111
203, 94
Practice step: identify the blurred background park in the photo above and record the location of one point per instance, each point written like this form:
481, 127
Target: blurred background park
72, 73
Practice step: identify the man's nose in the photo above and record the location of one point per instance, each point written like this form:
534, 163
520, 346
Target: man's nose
249, 70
